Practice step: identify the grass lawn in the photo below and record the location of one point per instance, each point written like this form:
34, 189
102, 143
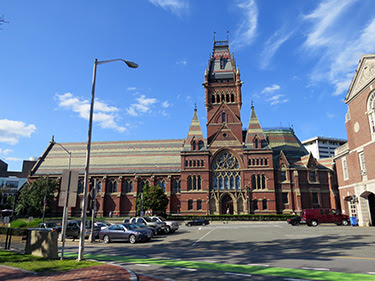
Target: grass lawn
39, 264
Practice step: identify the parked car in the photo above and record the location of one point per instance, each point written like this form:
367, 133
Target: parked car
295, 221
171, 226
102, 224
159, 227
197, 222
313, 217
153, 230
73, 229
47, 226
124, 231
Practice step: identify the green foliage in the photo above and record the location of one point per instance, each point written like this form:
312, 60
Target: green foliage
31, 199
154, 199
22, 223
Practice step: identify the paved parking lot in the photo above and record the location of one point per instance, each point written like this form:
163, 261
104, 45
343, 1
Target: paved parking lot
325, 249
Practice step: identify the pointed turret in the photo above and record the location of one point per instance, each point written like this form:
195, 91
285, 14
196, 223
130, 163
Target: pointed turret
255, 137
194, 140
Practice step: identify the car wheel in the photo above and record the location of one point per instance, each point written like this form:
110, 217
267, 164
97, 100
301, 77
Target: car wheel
295, 223
204, 224
188, 224
132, 239
106, 239
167, 230
314, 223
344, 222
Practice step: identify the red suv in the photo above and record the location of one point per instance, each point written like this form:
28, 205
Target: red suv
313, 217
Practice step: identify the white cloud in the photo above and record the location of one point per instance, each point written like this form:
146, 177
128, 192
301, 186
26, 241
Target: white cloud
132, 88
5, 151
270, 90
12, 131
277, 99
104, 114
183, 62
246, 32
165, 104
13, 159
339, 48
271, 47
143, 106
330, 115
177, 7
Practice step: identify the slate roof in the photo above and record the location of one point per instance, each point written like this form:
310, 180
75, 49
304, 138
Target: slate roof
113, 157
221, 65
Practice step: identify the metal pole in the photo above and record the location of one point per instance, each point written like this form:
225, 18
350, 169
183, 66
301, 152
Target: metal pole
86, 179
93, 211
45, 200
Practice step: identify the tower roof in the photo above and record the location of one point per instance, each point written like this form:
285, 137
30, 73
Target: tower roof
221, 65
195, 131
254, 129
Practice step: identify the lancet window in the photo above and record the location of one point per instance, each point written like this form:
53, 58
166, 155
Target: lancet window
226, 171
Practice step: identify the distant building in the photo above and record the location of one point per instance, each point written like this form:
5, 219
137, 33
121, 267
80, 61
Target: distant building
10, 181
251, 171
322, 147
355, 159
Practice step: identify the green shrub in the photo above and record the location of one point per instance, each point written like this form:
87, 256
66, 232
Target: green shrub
22, 223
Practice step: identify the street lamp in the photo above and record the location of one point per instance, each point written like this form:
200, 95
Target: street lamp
65, 213
84, 207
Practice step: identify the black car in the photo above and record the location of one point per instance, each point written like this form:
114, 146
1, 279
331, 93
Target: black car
197, 222
73, 229
295, 221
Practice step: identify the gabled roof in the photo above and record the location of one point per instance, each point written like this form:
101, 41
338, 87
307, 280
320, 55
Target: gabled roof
221, 65
255, 130
229, 140
195, 132
220, 108
114, 157
364, 75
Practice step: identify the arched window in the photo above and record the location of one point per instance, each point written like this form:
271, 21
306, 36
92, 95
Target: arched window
258, 181
99, 185
263, 181
193, 145
111, 186
80, 186
176, 186
371, 113
213, 99
223, 117
144, 183
200, 144
264, 203
128, 186
189, 183
227, 96
253, 182
161, 183
199, 204
226, 171
232, 98
190, 204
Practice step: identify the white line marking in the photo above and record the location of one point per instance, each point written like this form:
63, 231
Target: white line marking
258, 264
142, 264
315, 268
372, 273
238, 274
202, 237
292, 279
186, 269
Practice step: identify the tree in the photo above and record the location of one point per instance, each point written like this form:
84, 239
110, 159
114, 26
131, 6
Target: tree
31, 199
154, 199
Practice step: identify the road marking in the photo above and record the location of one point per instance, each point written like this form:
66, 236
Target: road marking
202, 237
258, 264
237, 274
142, 264
315, 268
354, 258
292, 279
371, 273
186, 269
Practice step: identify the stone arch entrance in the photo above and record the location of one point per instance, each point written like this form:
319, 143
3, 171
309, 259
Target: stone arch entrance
226, 204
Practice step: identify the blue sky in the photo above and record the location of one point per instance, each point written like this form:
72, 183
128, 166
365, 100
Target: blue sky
296, 58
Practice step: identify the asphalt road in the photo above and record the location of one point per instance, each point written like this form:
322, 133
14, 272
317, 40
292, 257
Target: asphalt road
247, 251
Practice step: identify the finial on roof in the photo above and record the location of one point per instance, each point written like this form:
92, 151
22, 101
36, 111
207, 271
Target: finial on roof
53, 138
205, 72
214, 36
252, 104
227, 36
195, 105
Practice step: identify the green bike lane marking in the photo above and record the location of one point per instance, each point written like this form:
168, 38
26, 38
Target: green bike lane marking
272, 271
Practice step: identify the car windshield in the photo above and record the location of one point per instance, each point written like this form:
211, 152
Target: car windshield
148, 219
130, 226
51, 224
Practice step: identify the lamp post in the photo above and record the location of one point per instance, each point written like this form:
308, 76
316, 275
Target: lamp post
65, 213
84, 207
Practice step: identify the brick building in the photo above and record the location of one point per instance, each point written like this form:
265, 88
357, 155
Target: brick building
355, 159
253, 171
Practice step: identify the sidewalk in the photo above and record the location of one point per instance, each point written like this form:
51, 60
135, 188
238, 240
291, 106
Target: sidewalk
100, 272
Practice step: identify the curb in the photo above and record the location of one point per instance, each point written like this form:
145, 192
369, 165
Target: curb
133, 276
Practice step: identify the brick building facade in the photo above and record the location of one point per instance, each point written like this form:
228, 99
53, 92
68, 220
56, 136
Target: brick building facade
355, 159
231, 171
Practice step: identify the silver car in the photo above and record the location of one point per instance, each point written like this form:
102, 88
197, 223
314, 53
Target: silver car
124, 232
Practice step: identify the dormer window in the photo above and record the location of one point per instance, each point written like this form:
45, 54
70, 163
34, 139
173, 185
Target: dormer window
222, 64
193, 145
